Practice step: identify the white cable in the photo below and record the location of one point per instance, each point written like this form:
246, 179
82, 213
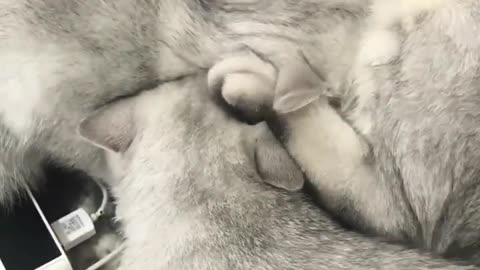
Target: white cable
107, 258
78, 226
101, 209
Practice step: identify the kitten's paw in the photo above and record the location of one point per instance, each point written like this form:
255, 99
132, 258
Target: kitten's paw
244, 81
379, 47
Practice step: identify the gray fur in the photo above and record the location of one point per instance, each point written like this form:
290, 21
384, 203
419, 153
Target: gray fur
187, 206
426, 128
63, 59
424, 134
422, 123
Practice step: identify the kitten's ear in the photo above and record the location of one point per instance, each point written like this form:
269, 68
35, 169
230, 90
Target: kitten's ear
295, 100
112, 127
274, 164
297, 87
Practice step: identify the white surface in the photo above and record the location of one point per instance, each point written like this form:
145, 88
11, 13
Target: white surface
60, 263
2, 267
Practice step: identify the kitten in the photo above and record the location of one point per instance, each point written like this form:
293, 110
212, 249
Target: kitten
420, 183
66, 58
187, 206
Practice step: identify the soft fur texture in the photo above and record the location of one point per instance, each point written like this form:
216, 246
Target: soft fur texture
420, 115
381, 41
188, 206
63, 59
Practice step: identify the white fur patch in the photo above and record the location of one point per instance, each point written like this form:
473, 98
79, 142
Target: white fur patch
379, 47
385, 13
381, 43
24, 80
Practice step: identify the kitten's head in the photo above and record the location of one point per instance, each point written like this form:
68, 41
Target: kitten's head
166, 131
130, 130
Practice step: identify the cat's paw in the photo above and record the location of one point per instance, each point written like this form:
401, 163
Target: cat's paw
379, 47
245, 82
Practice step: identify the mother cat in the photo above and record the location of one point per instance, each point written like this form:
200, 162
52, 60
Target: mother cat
62, 59
422, 183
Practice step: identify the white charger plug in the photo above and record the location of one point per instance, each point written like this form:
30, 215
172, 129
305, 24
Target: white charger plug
74, 228
78, 226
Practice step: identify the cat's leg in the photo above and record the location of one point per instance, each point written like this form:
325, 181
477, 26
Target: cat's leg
249, 83
328, 149
334, 159
20, 165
